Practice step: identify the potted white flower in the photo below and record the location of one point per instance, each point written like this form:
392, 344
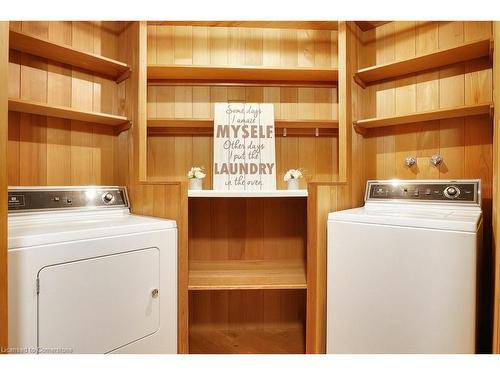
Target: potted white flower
196, 176
292, 179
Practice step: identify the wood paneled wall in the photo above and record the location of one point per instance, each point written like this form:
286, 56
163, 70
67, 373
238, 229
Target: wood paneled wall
52, 151
464, 143
4, 54
496, 194
316, 156
236, 46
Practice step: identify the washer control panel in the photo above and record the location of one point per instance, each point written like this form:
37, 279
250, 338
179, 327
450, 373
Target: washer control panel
459, 191
67, 197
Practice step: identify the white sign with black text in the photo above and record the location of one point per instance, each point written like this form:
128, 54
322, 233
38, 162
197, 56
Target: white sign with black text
244, 147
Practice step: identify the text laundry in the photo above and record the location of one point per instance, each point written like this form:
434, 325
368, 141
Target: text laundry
244, 168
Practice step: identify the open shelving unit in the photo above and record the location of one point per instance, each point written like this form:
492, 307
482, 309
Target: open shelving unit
94, 63
461, 53
43, 109
247, 274
436, 114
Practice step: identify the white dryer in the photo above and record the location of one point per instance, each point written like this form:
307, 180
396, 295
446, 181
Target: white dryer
402, 269
86, 276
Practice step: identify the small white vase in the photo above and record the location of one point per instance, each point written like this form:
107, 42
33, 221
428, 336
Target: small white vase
195, 184
293, 184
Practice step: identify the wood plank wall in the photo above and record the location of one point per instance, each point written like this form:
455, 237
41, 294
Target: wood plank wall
496, 193
464, 143
52, 151
4, 53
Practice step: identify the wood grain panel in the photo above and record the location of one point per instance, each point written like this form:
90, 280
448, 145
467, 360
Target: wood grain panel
235, 46
4, 71
496, 197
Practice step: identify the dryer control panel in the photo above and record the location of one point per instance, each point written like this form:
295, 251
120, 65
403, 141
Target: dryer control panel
65, 197
443, 191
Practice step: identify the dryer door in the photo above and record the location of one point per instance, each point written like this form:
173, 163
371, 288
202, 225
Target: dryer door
100, 304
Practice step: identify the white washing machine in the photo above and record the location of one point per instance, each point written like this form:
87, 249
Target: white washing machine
86, 276
402, 269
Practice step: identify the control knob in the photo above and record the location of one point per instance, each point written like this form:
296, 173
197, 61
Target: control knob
108, 198
451, 192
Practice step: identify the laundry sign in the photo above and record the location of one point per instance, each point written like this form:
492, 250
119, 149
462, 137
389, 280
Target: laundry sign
244, 147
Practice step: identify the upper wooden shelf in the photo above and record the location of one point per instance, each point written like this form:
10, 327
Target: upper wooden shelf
242, 73
42, 109
247, 274
437, 114
58, 52
464, 52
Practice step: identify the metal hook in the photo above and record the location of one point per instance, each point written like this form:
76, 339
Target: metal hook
316, 132
284, 132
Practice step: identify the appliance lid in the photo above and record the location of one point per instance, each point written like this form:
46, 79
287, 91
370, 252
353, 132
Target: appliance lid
54, 227
429, 217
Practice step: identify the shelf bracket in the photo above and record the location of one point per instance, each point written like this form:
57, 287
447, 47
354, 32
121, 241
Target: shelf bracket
359, 81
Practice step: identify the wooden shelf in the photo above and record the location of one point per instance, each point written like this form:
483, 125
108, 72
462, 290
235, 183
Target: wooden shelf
190, 126
243, 73
58, 52
42, 109
209, 123
464, 52
242, 339
437, 114
247, 194
247, 274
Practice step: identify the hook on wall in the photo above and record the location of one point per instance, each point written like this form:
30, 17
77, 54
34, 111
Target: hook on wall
436, 160
410, 161
284, 132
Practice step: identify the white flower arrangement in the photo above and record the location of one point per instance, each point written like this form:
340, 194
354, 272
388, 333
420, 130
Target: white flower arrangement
196, 172
292, 174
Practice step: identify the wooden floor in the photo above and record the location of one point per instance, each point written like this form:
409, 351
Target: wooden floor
247, 340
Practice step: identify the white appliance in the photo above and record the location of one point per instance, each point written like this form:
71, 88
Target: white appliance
402, 269
86, 276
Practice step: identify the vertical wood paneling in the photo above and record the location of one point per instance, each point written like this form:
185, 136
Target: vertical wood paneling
54, 151
496, 196
4, 71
